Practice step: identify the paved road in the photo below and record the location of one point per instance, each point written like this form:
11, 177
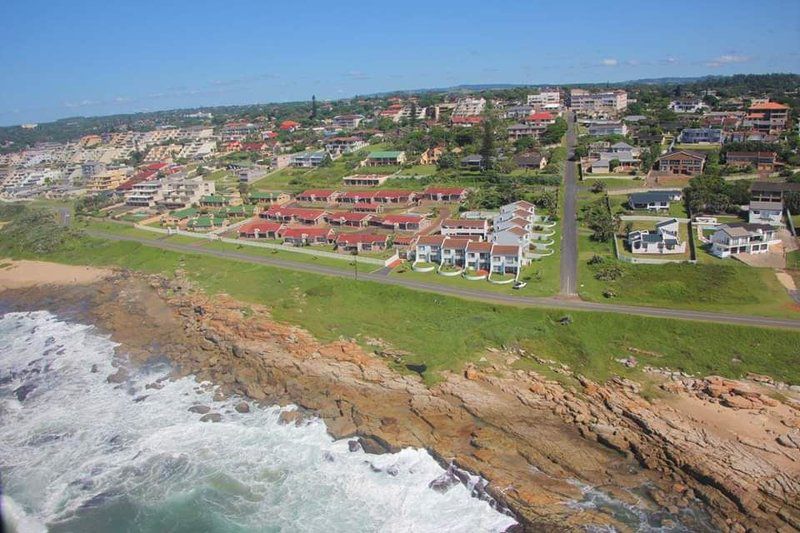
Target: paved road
569, 237
473, 294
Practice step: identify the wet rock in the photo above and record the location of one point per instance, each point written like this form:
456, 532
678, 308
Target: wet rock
444, 482
393, 471
199, 409
23, 391
141, 398
242, 407
120, 376
94, 369
156, 386
790, 440
372, 445
353, 445
211, 417
328, 456
290, 417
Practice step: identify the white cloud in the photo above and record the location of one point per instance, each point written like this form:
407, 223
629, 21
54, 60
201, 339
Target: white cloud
727, 59
609, 62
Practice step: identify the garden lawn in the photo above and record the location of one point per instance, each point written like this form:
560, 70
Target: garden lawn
443, 333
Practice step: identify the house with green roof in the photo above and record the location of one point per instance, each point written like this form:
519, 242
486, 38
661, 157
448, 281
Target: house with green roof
205, 223
214, 201
386, 157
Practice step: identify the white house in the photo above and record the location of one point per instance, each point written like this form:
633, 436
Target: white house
765, 213
665, 239
741, 238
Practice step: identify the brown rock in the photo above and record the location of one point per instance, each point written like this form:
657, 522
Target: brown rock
211, 417
199, 409
242, 407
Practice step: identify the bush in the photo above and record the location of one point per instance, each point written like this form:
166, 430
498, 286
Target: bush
36, 232
596, 260
609, 273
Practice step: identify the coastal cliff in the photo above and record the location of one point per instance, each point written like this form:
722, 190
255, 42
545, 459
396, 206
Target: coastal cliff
540, 434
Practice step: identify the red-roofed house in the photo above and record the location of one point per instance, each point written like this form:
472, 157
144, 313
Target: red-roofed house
767, 117
289, 125
540, 119
367, 207
294, 214
507, 259
260, 229
428, 248
394, 196
363, 242
307, 236
356, 197
479, 255
357, 220
445, 194
467, 121
317, 195
402, 222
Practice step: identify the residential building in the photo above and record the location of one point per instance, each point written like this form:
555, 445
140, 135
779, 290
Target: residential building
507, 259
249, 175
688, 105
108, 180
362, 242
517, 131
687, 162
344, 145
386, 157
765, 213
700, 135
311, 217
326, 196
445, 194
757, 160
601, 128
145, 193
531, 160
454, 251
308, 159
307, 236
767, 117
431, 155
260, 229
654, 200
546, 99
401, 222
479, 255
181, 192
268, 198
473, 162
453, 227
469, 107
771, 191
365, 180
584, 101
742, 238
428, 248
347, 122
665, 239
518, 112
355, 220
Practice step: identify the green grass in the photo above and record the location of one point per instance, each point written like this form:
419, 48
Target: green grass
691, 146
793, 260
613, 183
443, 333
420, 169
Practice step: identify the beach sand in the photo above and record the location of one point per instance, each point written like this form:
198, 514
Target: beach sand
24, 274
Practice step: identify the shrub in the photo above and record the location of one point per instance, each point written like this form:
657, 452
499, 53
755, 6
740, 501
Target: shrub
609, 273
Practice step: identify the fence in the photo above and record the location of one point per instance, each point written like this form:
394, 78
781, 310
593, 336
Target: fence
271, 246
789, 220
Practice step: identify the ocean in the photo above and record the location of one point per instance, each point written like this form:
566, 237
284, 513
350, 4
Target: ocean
78, 453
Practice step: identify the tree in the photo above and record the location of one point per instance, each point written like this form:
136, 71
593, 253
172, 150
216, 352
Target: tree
524, 143
412, 120
244, 188
792, 201
549, 202
487, 143
598, 187
599, 219
613, 164
313, 106
446, 161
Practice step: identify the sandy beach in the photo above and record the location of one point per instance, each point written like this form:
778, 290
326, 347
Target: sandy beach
24, 274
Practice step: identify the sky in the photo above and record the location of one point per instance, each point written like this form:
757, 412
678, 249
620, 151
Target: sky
86, 57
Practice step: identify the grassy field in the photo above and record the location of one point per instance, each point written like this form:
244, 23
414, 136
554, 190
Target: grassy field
613, 183
443, 333
711, 285
619, 203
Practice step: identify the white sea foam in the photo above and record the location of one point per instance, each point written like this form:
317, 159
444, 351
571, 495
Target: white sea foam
78, 453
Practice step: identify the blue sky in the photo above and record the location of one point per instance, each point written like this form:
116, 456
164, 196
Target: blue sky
88, 57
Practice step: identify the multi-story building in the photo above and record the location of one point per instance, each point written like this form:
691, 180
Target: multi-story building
687, 106
767, 117
601, 128
347, 122
547, 99
665, 239
180, 191
308, 159
700, 135
758, 160
581, 100
687, 162
469, 107
742, 238
344, 145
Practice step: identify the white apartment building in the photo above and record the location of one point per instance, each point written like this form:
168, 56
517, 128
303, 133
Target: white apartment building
546, 100
180, 191
606, 101
469, 107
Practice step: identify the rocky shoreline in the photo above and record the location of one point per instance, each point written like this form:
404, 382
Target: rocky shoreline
729, 447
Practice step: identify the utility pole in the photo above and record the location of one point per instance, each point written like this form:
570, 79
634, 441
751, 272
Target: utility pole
354, 253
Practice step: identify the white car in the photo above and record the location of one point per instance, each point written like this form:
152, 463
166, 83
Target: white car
520, 285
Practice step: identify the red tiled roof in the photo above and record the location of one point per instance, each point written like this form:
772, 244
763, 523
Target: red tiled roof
502, 249
476, 246
541, 116
298, 212
393, 194
357, 194
463, 223
431, 240
317, 193
401, 219
361, 238
263, 226
769, 106
403, 240
467, 120
348, 216
289, 124
516, 230
297, 233
456, 242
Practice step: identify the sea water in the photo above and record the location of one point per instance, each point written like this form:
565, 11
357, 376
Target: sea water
78, 453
